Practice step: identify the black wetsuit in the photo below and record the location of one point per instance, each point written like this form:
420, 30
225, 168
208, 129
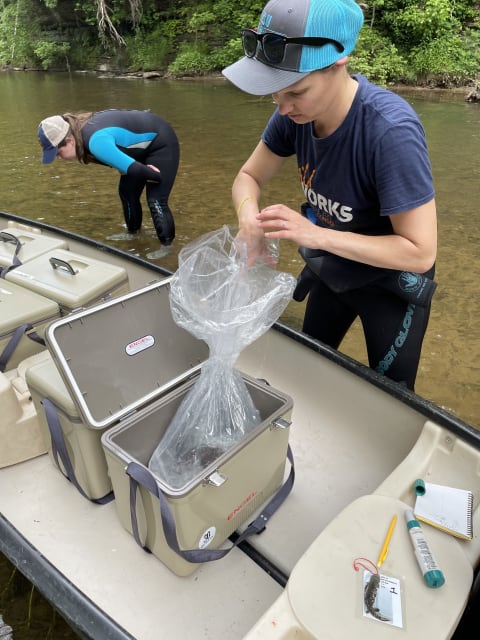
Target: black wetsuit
129, 140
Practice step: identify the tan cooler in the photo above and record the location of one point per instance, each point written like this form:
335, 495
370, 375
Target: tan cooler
72, 280
212, 506
129, 365
84, 463
23, 313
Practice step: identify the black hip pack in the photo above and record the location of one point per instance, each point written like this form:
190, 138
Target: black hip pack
342, 275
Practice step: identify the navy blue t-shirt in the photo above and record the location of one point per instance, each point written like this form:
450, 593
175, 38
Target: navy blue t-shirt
374, 165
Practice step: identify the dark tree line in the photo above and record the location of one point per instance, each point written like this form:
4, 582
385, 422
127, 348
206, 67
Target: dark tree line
414, 41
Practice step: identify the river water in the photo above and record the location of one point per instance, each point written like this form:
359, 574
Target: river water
218, 126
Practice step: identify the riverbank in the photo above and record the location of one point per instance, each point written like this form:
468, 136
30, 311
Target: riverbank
470, 91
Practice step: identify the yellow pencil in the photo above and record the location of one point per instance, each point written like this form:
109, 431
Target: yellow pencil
384, 551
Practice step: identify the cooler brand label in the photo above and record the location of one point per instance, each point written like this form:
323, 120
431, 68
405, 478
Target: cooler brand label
244, 502
139, 345
207, 537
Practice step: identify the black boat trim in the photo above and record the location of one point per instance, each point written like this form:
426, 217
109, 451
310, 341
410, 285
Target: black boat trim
83, 616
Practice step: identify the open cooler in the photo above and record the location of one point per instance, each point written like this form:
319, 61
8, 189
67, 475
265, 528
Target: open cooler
128, 365
72, 280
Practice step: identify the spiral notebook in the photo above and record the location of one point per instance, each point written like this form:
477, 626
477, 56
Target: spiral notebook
446, 508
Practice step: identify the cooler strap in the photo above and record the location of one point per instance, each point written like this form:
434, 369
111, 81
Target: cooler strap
13, 343
59, 449
140, 475
9, 237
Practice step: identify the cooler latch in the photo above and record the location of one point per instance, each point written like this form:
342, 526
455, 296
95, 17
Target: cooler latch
216, 479
281, 423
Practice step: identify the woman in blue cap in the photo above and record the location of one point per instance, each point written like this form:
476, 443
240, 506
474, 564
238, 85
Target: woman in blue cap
367, 230
140, 144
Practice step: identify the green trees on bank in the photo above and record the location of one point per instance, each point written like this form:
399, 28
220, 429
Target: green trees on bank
435, 42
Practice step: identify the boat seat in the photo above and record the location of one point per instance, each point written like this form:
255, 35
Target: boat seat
440, 457
20, 432
323, 598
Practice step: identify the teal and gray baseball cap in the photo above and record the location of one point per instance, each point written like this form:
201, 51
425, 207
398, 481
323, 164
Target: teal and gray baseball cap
326, 31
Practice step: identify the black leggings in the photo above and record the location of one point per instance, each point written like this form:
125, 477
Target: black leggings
393, 329
164, 154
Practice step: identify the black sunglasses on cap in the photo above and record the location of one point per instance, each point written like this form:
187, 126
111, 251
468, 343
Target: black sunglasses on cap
273, 45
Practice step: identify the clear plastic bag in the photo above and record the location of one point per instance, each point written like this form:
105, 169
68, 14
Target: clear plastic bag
217, 298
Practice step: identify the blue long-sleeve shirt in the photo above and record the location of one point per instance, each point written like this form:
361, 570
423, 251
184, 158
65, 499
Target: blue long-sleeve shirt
118, 138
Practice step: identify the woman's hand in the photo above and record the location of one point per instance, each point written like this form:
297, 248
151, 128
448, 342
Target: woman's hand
411, 246
256, 246
156, 169
146, 172
282, 223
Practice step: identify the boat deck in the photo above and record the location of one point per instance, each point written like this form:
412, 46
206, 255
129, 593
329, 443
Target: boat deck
356, 440
87, 545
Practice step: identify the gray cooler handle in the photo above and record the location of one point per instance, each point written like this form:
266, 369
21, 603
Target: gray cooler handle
140, 475
58, 263
12, 344
9, 237
59, 450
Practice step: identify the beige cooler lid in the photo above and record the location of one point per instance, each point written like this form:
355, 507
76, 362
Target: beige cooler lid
21, 306
70, 278
26, 244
